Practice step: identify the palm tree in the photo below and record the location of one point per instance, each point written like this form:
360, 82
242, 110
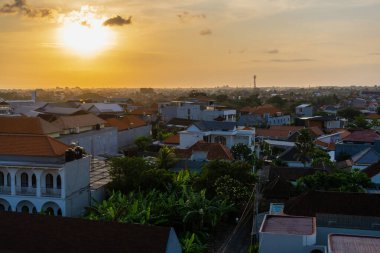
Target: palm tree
166, 158
304, 146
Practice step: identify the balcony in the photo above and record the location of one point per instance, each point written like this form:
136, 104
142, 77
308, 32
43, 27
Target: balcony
51, 192
5, 190
28, 191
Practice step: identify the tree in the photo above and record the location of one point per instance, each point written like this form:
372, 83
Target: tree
142, 142
166, 158
241, 151
361, 122
378, 110
277, 101
342, 181
349, 113
304, 146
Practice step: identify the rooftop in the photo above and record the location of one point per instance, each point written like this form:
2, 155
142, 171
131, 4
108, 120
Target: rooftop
58, 234
340, 243
262, 109
215, 125
31, 145
26, 125
362, 136
83, 120
127, 122
288, 225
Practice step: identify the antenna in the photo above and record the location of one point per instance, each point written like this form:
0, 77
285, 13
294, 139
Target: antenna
254, 82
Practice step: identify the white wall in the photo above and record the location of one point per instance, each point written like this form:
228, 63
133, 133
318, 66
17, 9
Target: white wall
127, 137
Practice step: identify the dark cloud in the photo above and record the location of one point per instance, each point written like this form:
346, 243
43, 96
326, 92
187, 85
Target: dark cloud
186, 16
292, 60
21, 7
118, 21
273, 51
205, 32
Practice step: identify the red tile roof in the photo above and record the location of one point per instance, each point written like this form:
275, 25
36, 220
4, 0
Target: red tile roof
262, 109
329, 146
174, 140
290, 225
31, 145
363, 136
373, 169
278, 131
144, 111
26, 125
215, 151
339, 243
125, 123
316, 131
373, 116
83, 120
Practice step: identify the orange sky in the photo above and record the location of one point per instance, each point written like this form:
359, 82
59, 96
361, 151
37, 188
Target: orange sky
197, 43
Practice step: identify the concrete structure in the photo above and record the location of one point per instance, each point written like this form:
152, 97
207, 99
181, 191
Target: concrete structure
226, 133
36, 176
338, 243
304, 110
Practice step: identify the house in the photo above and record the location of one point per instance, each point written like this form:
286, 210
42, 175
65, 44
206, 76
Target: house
289, 234
359, 103
269, 114
5, 108
277, 132
149, 115
323, 122
43, 233
226, 133
304, 110
27, 125
373, 172
129, 128
358, 141
291, 159
38, 172
103, 110
365, 158
204, 151
353, 243
89, 132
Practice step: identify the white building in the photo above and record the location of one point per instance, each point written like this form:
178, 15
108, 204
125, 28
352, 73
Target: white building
37, 173
226, 133
304, 110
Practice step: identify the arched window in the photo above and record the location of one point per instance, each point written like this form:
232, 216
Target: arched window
59, 183
25, 209
1, 179
24, 180
220, 139
49, 211
34, 181
59, 212
8, 180
34, 210
49, 181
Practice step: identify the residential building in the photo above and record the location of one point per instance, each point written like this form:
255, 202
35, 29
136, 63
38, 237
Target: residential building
338, 243
278, 132
304, 110
323, 122
43, 233
5, 108
226, 133
103, 110
269, 115
358, 141
38, 172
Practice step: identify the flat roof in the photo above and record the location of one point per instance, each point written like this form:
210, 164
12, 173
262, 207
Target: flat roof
341, 243
288, 225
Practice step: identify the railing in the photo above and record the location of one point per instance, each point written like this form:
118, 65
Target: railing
50, 192
30, 191
5, 190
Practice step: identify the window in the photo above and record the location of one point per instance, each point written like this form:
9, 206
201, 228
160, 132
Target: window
220, 139
8, 179
1, 179
25, 209
59, 183
34, 181
24, 180
49, 181
49, 211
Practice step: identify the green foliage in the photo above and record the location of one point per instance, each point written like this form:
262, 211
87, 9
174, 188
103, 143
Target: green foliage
232, 190
361, 122
241, 151
143, 142
349, 113
192, 244
342, 181
277, 101
166, 158
304, 146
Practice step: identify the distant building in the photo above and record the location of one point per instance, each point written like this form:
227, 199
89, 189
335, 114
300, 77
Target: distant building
304, 110
268, 114
5, 108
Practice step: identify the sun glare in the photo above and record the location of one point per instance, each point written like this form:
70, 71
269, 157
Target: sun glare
86, 36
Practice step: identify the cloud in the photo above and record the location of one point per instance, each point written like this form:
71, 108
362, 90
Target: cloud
118, 21
205, 32
22, 8
374, 54
292, 60
186, 16
272, 51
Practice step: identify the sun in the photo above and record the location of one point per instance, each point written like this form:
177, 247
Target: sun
85, 36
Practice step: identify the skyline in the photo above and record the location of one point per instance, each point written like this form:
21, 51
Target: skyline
202, 43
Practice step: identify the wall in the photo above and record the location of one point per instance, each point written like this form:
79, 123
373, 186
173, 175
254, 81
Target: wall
274, 243
127, 137
187, 139
279, 121
95, 142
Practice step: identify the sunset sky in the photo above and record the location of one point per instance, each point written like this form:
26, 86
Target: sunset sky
197, 43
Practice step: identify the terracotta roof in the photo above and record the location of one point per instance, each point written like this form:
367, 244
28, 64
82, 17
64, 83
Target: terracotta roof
68, 122
127, 122
278, 131
373, 116
262, 109
345, 203
144, 111
373, 169
363, 136
26, 125
46, 233
174, 140
289, 225
329, 146
316, 131
339, 243
31, 145
215, 151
